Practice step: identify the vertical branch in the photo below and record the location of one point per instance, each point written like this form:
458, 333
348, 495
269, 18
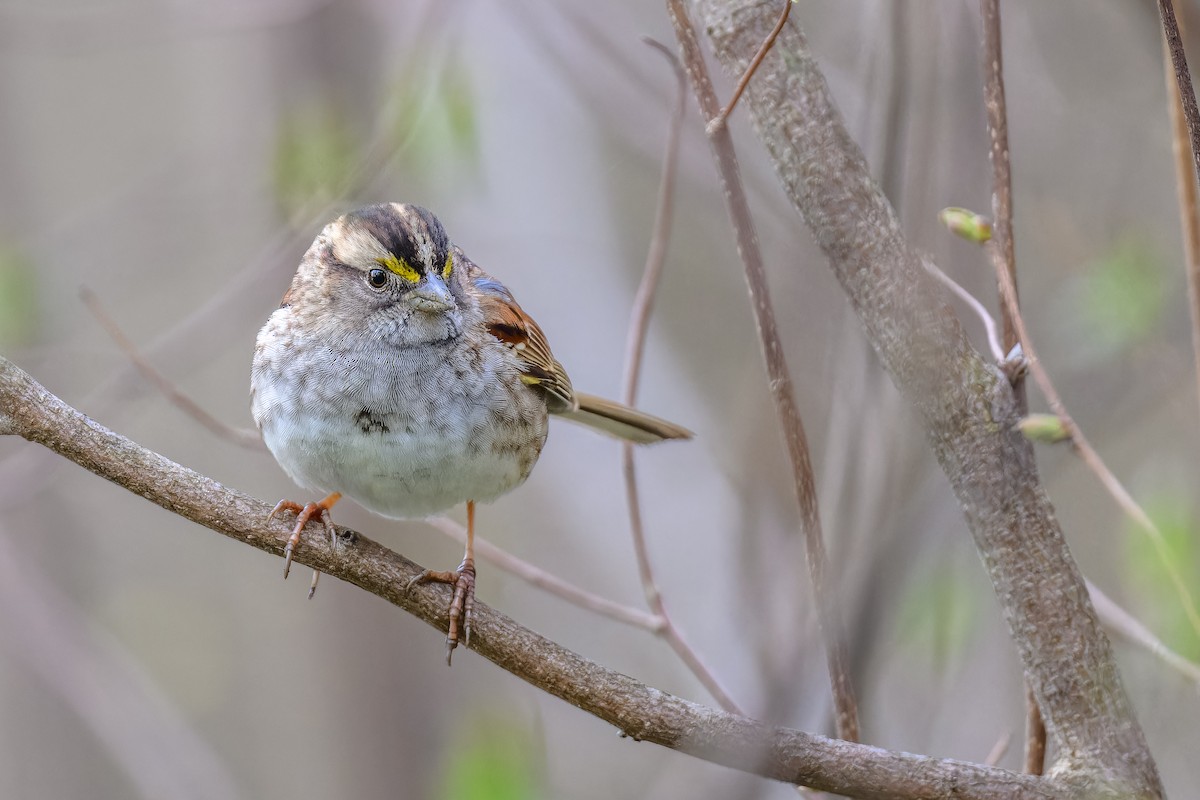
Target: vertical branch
635, 346
997, 120
1176, 73
965, 407
777, 371
1187, 94
1005, 260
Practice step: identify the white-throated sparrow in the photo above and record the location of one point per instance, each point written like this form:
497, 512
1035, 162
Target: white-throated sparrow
398, 373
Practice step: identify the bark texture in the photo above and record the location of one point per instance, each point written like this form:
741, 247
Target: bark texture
639, 711
967, 405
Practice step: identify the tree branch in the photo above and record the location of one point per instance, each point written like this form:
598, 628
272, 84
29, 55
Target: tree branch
968, 407
1178, 77
1004, 248
641, 712
779, 378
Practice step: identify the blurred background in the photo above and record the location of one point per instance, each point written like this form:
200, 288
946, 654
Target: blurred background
177, 158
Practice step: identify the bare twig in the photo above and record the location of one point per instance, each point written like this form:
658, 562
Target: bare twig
1177, 75
639, 711
1124, 624
1088, 454
989, 323
549, 582
1005, 261
997, 117
998, 750
777, 372
718, 122
639, 321
239, 436
1187, 95
656, 253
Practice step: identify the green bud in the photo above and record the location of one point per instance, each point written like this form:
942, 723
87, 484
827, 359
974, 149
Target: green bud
967, 224
1045, 428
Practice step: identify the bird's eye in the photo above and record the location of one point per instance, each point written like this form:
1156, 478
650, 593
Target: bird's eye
377, 278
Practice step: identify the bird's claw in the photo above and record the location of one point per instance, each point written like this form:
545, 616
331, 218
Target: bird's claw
304, 513
462, 602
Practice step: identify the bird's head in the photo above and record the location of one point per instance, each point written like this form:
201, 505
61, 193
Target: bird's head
385, 270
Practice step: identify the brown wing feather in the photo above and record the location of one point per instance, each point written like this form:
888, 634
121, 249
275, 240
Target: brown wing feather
512, 326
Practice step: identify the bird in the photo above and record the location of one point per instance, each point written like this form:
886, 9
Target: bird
399, 374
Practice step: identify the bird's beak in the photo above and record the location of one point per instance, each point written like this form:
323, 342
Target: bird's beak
431, 295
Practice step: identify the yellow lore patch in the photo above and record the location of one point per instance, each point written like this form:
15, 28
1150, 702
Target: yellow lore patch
400, 267
448, 268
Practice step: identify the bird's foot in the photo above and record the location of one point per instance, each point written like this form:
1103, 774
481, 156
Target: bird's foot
304, 513
462, 603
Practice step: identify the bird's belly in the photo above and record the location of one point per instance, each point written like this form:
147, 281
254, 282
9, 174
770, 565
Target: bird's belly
398, 469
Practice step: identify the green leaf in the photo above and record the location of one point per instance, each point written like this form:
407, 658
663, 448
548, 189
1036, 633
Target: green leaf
967, 224
18, 299
1123, 293
435, 129
458, 102
1045, 428
315, 157
939, 612
495, 760
1175, 515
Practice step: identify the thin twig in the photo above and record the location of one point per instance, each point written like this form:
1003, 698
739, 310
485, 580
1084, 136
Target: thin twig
997, 118
989, 322
998, 750
241, 437
722, 116
1124, 624
777, 372
639, 322
1187, 95
1090, 457
1005, 262
1185, 170
549, 582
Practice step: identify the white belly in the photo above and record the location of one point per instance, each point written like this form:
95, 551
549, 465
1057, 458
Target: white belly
396, 473
403, 439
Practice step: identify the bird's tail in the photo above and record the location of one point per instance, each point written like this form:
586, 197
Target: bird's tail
623, 422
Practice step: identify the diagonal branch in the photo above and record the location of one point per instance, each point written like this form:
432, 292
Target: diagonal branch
250, 439
639, 711
967, 406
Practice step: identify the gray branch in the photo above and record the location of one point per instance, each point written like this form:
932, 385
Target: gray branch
967, 405
639, 711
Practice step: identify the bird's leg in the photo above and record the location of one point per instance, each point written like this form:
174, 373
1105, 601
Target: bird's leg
304, 513
462, 603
